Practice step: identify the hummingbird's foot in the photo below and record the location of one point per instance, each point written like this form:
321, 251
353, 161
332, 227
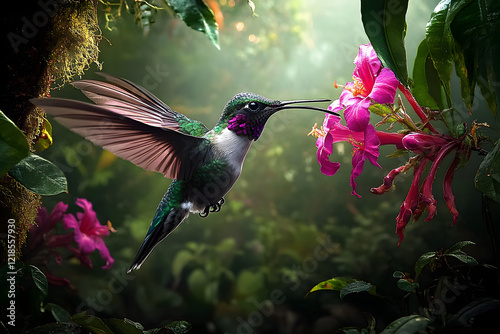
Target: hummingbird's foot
212, 208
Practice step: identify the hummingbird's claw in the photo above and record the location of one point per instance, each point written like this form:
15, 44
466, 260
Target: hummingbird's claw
212, 208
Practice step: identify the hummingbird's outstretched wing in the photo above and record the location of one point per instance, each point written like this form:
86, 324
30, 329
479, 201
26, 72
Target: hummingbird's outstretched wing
132, 123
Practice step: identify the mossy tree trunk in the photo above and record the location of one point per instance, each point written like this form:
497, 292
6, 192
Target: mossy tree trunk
43, 41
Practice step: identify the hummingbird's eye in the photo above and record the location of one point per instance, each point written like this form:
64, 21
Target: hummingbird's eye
253, 106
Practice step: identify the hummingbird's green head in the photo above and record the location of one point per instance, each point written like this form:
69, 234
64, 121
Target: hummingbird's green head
246, 114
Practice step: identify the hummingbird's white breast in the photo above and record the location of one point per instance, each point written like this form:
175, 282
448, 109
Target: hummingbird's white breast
232, 148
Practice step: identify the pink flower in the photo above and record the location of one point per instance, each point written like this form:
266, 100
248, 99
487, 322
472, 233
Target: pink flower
45, 223
375, 84
88, 233
365, 146
371, 82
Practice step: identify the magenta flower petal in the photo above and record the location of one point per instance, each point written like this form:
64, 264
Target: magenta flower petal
420, 142
325, 148
372, 144
368, 150
357, 115
88, 233
367, 66
104, 252
384, 89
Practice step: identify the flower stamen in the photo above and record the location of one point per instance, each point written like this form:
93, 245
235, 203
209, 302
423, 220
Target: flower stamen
317, 132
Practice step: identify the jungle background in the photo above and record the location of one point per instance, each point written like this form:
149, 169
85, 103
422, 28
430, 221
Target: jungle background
219, 272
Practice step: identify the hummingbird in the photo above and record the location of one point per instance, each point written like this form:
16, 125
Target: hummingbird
203, 164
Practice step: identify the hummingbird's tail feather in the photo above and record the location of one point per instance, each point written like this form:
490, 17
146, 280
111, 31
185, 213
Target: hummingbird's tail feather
171, 211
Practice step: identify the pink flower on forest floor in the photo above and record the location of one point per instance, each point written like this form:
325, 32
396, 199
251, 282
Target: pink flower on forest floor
89, 234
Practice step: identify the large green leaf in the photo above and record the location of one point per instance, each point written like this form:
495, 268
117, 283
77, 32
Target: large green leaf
123, 326
487, 178
406, 325
40, 281
336, 283
13, 144
426, 83
476, 30
59, 314
458, 246
422, 261
357, 287
91, 323
385, 26
197, 15
39, 175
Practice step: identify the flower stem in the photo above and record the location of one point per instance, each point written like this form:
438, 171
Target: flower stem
388, 138
418, 109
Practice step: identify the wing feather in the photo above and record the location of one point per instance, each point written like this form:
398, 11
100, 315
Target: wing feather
135, 102
149, 146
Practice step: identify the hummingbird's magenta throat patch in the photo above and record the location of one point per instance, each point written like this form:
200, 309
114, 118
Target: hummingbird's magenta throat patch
242, 126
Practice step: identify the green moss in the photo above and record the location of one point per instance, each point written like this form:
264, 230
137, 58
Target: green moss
20, 204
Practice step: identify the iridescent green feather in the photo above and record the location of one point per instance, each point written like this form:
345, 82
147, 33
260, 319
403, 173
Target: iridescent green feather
193, 128
172, 199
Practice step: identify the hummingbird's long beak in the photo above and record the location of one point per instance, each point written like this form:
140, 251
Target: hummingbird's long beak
287, 105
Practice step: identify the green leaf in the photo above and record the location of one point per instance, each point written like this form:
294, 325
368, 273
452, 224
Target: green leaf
356, 287
467, 259
487, 178
56, 327
398, 274
406, 325
422, 261
123, 326
397, 153
59, 314
383, 110
426, 83
91, 323
197, 16
440, 42
406, 285
336, 283
40, 176
476, 28
13, 144
179, 327
385, 26
40, 281
458, 246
